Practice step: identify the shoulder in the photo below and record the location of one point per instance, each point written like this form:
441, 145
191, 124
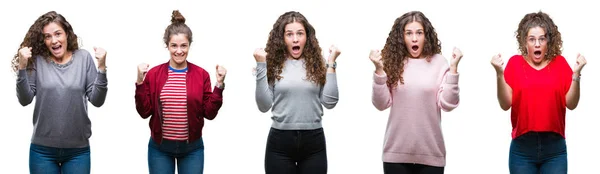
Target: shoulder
515, 60
157, 68
195, 69
82, 53
439, 60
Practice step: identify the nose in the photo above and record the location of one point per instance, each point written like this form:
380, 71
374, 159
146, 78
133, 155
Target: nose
295, 39
414, 38
54, 39
179, 51
538, 43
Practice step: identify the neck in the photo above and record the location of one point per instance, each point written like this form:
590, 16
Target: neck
178, 66
292, 57
65, 58
535, 65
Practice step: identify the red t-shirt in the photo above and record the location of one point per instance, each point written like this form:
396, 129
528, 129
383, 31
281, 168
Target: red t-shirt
538, 96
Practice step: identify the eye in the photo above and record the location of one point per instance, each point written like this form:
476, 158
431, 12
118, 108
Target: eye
288, 34
420, 33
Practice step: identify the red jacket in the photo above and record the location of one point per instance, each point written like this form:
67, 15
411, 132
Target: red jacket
201, 101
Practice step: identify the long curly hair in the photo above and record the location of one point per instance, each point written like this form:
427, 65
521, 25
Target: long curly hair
35, 39
177, 26
395, 53
277, 52
540, 19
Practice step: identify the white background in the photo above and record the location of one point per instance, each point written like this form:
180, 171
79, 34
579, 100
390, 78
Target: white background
226, 32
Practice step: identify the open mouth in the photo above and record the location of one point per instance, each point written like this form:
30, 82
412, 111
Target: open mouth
537, 53
56, 48
415, 48
296, 48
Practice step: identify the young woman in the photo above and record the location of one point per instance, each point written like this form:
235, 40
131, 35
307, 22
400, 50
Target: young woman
538, 85
177, 96
293, 80
417, 83
62, 78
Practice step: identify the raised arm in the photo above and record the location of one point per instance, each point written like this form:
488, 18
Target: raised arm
26, 88
142, 92
573, 93
330, 95
264, 91
504, 92
381, 96
97, 83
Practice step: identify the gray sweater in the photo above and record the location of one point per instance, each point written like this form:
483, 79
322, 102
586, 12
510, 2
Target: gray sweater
60, 117
297, 103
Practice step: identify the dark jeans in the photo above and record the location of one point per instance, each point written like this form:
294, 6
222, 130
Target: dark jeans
538, 152
190, 157
43, 159
410, 168
296, 152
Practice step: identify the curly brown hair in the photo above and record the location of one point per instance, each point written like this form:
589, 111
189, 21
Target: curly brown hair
277, 52
35, 39
177, 26
543, 20
394, 53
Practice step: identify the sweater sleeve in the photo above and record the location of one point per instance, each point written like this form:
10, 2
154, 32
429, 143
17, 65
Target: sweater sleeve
97, 83
330, 94
448, 94
264, 91
381, 96
26, 88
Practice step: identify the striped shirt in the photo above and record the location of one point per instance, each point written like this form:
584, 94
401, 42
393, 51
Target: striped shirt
174, 100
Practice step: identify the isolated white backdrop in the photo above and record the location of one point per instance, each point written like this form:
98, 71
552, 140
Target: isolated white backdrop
477, 133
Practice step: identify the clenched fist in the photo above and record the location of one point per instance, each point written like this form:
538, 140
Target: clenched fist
579, 64
260, 55
498, 63
334, 52
24, 56
101, 57
142, 69
221, 72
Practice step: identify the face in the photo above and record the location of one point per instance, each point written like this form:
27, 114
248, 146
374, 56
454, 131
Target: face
55, 39
536, 44
414, 38
179, 46
295, 39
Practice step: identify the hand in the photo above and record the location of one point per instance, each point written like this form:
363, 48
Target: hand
498, 63
456, 56
375, 57
24, 55
260, 55
101, 56
580, 64
142, 69
334, 52
221, 72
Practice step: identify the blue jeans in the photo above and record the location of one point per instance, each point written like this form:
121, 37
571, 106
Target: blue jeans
538, 152
43, 159
190, 157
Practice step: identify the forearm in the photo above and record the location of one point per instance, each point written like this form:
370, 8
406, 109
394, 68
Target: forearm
263, 93
504, 92
25, 92
97, 96
573, 94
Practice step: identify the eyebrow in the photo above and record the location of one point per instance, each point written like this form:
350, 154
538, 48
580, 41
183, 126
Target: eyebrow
293, 31
55, 31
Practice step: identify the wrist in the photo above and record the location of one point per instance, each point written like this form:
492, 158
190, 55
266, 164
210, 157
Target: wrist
576, 77
220, 85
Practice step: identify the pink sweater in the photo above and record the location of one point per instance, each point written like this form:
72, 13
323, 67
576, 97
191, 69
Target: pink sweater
413, 133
